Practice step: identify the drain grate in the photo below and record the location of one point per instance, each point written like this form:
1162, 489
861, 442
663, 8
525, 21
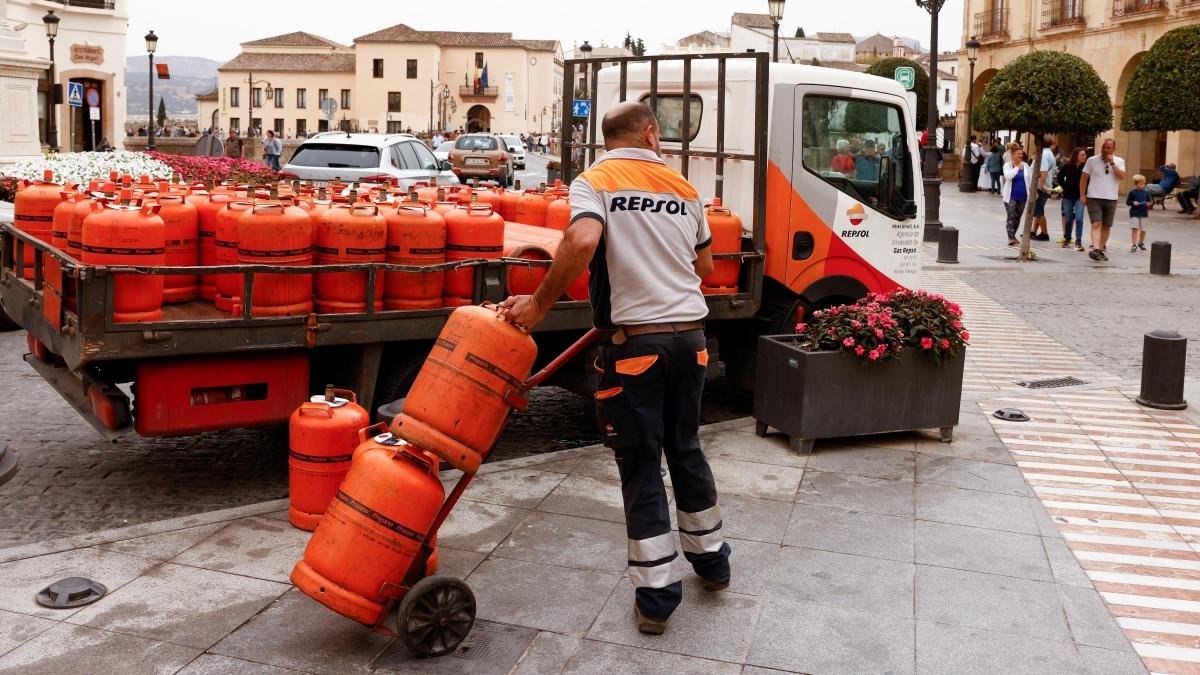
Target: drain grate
489, 648
1051, 382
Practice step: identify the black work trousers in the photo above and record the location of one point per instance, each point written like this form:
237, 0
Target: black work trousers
649, 398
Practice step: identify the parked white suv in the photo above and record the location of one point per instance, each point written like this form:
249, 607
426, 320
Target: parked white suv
516, 149
366, 157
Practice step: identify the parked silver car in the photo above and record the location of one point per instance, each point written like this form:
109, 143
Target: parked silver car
366, 157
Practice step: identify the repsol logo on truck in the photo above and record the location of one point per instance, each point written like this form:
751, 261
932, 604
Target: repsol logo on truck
647, 204
857, 214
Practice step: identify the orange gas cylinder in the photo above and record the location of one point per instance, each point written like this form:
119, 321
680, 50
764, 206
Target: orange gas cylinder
558, 210
182, 223
275, 233
541, 243
480, 195
83, 206
322, 436
206, 238
229, 286
457, 406
531, 208
507, 207
127, 234
427, 192
61, 219
726, 230
471, 232
366, 541
415, 236
33, 212
347, 234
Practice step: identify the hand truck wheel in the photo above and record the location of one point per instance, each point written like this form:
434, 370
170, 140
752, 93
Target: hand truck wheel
436, 615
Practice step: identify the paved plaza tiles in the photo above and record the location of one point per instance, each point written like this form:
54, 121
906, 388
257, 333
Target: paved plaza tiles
1067, 544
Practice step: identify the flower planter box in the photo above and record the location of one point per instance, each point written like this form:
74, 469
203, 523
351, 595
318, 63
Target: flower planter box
552, 175
811, 395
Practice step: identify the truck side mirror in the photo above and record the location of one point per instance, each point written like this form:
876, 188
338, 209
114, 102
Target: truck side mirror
909, 208
445, 165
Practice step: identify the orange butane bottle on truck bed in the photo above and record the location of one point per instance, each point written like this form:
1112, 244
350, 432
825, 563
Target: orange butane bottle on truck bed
349, 233
133, 235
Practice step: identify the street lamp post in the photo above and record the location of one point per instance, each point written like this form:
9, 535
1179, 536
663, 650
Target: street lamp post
250, 82
151, 45
965, 183
51, 22
931, 179
775, 8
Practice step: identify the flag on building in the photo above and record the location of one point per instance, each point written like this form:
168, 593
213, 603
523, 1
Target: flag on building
483, 80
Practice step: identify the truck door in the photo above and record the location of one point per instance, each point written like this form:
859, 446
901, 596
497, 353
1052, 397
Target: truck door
852, 214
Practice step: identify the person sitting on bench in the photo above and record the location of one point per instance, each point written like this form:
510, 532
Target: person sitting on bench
1170, 178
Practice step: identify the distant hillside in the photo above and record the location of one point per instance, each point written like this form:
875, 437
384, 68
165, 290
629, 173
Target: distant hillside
190, 75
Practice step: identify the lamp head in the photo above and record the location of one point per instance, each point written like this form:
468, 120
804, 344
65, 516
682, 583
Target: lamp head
586, 49
775, 9
151, 42
972, 49
51, 21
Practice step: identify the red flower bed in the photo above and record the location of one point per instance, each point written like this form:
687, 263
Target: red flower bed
880, 326
217, 169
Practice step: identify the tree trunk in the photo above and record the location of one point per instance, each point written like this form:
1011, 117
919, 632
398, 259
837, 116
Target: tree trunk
1036, 166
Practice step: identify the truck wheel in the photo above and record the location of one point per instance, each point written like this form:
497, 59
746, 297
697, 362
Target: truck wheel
400, 367
6, 323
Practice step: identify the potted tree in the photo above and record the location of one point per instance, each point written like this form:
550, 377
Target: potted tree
885, 363
553, 171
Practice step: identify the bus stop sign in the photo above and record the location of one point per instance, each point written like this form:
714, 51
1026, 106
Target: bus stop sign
907, 77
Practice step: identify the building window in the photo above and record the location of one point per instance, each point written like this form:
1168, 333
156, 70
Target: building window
235, 124
301, 98
395, 127
278, 126
235, 97
946, 96
301, 127
411, 68
478, 59
345, 102
376, 68
256, 97
393, 101
278, 97
322, 125
255, 126
322, 94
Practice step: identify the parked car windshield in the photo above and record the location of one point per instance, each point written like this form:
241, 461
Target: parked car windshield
513, 141
475, 143
336, 156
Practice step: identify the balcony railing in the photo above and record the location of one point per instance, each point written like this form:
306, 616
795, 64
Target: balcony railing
1062, 13
89, 4
478, 92
1122, 8
991, 24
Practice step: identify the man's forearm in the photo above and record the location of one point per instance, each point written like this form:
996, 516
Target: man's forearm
571, 260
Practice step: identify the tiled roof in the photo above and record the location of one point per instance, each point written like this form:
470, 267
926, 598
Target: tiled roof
403, 33
210, 95
296, 39
753, 20
846, 65
835, 37
706, 37
317, 63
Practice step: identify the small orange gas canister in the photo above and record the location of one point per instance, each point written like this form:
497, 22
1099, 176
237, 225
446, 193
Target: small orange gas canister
364, 545
726, 230
322, 436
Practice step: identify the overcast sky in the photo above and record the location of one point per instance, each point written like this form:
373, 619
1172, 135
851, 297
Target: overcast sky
214, 28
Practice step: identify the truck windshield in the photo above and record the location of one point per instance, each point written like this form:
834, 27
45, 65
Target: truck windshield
845, 141
336, 156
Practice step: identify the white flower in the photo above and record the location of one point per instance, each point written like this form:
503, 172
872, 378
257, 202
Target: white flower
81, 167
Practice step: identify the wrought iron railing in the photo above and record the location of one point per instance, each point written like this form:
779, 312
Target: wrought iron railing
1060, 13
486, 92
1138, 7
992, 23
90, 4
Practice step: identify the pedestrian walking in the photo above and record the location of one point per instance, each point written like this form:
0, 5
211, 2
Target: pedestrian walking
1138, 200
1018, 183
975, 156
543, 144
1072, 208
995, 167
645, 286
437, 139
1102, 175
234, 145
1048, 166
272, 149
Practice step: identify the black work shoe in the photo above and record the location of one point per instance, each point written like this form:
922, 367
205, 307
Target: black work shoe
714, 586
647, 625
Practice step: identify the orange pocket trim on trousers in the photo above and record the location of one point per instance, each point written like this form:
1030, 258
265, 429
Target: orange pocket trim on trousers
702, 357
636, 365
606, 394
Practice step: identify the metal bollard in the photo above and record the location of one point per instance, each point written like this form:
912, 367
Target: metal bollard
1160, 257
948, 246
1164, 356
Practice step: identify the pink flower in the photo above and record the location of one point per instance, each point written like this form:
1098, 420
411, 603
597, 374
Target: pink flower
832, 331
801, 326
965, 336
878, 333
856, 323
848, 342
835, 310
926, 343
873, 355
945, 344
957, 325
859, 350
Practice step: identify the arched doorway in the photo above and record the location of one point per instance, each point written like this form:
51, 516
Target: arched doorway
479, 118
1143, 151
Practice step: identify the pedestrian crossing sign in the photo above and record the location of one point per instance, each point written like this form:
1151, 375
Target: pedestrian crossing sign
581, 108
75, 94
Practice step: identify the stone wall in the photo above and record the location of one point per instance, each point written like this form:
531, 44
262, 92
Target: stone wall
187, 146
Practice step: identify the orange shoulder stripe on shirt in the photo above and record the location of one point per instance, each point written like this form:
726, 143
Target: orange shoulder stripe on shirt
633, 174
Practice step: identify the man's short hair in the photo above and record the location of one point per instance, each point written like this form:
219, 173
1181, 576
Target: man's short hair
627, 119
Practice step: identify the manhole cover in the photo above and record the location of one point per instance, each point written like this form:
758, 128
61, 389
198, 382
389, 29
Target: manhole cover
489, 648
1051, 382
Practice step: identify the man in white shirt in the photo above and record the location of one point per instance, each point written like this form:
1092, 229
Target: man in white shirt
975, 155
1098, 190
438, 139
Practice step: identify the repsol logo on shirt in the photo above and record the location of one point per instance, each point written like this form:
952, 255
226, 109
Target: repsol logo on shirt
647, 204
